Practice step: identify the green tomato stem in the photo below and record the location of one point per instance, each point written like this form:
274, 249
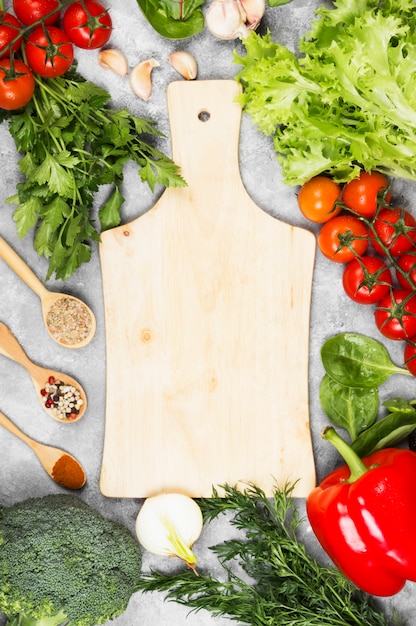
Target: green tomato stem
355, 464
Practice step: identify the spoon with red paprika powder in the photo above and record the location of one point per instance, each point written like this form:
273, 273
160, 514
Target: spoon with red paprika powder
62, 467
61, 396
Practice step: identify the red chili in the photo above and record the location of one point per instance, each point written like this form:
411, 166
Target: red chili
363, 514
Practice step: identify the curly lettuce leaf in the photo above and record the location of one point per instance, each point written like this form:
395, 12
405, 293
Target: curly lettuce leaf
348, 102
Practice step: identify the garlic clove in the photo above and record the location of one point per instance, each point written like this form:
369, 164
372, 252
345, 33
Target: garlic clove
225, 19
114, 60
254, 10
141, 78
184, 63
169, 524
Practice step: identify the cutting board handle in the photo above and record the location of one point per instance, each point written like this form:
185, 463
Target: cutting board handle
205, 127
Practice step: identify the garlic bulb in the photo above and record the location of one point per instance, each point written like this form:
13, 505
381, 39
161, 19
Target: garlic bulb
254, 10
169, 524
141, 80
184, 63
113, 60
226, 19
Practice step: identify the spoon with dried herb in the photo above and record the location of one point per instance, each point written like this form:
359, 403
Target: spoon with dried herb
62, 467
69, 321
61, 396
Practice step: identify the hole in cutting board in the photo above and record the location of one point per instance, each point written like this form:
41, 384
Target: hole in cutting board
204, 116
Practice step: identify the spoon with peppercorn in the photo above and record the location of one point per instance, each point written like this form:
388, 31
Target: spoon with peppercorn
61, 396
62, 467
68, 320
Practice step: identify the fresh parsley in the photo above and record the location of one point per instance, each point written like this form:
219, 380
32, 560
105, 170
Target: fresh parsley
71, 143
280, 583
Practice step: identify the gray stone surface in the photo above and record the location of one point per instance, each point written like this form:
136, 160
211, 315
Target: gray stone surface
20, 474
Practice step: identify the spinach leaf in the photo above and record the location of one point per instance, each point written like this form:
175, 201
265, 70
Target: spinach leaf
174, 19
355, 360
352, 408
386, 432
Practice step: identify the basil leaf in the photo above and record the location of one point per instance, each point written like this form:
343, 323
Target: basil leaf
173, 19
355, 360
352, 408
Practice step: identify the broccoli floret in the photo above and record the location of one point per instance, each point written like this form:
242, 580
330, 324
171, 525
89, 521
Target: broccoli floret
62, 562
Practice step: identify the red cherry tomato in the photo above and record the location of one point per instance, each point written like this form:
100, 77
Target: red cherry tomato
395, 315
366, 280
407, 262
16, 88
30, 11
9, 29
87, 24
410, 357
317, 199
361, 194
396, 229
343, 238
48, 51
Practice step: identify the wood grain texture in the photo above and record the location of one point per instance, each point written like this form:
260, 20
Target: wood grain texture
207, 301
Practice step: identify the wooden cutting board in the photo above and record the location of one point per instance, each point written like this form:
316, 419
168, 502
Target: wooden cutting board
207, 301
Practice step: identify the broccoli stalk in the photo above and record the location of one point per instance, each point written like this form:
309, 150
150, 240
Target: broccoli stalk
63, 563
22, 620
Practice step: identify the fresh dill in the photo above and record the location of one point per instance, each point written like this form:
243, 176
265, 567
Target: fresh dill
278, 582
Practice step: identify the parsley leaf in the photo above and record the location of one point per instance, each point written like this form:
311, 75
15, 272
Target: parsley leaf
72, 143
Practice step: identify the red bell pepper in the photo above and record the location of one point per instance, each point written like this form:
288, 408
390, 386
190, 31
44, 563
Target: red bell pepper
364, 516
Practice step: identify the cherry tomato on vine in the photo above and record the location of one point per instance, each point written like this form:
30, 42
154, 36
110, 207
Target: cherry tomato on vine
360, 194
395, 314
396, 229
343, 238
30, 11
9, 29
16, 85
410, 357
317, 199
48, 51
366, 280
87, 24
407, 262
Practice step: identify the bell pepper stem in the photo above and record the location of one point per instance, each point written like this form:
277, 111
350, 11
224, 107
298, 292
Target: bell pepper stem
355, 464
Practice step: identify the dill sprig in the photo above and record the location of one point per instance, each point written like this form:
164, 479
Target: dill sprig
278, 582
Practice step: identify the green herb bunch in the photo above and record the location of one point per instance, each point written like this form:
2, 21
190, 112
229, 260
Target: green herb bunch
71, 144
280, 583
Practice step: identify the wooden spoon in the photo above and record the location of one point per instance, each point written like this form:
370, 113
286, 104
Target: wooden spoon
71, 473
10, 347
68, 320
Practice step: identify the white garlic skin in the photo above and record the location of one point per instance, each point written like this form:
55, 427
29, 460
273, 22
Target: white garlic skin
114, 60
226, 19
184, 63
254, 10
141, 78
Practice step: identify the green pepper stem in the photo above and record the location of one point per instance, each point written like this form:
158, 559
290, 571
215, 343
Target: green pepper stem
357, 467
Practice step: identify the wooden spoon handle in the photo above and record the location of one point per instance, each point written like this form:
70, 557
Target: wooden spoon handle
12, 428
10, 347
16, 263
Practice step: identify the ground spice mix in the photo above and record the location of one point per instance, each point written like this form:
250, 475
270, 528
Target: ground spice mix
69, 321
